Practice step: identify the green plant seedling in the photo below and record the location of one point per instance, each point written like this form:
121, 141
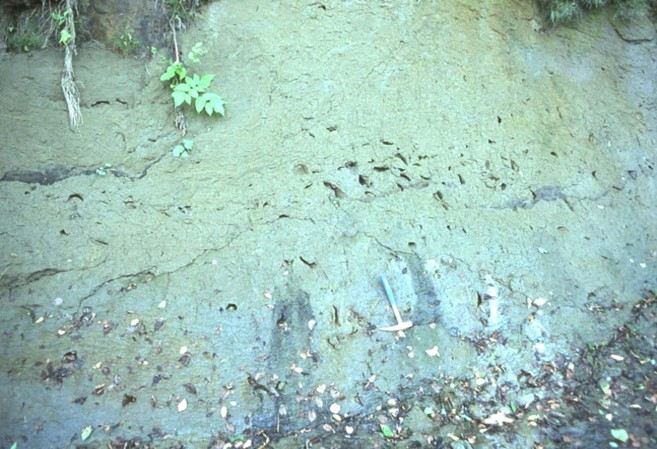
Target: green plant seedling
102, 171
191, 89
196, 51
175, 72
183, 148
126, 43
64, 37
23, 39
59, 17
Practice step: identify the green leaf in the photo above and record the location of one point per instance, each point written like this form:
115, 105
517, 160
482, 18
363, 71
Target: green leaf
168, 74
64, 37
14, 446
213, 103
183, 148
181, 71
206, 80
59, 17
620, 434
386, 431
197, 50
193, 81
182, 87
200, 104
178, 150
174, 70
180, 98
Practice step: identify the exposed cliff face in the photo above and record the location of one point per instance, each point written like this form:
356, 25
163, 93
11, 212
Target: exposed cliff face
456, 146
99, 20
105, 20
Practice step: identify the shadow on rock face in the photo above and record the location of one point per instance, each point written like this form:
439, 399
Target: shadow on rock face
290, 337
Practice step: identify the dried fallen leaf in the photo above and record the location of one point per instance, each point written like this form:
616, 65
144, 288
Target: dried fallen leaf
620, 434
190, 388
86, 433
618, 358
497, 419
128, 399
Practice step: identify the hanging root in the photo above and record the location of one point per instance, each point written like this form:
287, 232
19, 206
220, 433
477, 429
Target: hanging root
71, 92
180, 122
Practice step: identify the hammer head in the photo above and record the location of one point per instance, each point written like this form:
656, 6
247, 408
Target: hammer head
400, 326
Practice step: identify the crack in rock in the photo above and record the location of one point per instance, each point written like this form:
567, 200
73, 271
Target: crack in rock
53, 175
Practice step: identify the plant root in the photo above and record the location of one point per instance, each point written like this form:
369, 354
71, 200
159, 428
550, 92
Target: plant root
69, 88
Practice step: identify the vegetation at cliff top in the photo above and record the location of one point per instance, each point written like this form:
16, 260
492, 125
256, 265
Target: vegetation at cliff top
561, 11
